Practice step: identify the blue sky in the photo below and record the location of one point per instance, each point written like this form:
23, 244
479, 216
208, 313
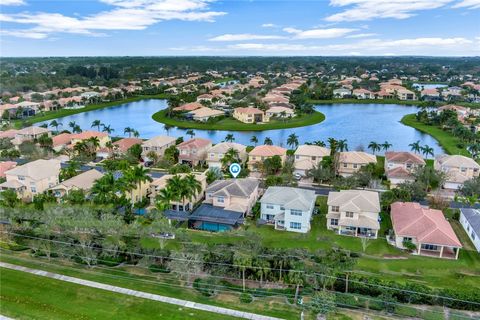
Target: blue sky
237, 27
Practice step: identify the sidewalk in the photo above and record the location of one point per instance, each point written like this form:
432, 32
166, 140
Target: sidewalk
140, 294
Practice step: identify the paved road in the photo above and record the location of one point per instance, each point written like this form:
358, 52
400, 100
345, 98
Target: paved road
140, 294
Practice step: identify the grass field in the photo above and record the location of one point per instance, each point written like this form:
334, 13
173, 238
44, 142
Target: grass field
50, 115
27, 296
235, 125
446, 140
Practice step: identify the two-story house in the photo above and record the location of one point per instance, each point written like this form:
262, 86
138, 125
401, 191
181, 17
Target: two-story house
458, 169
250, 115
30, 134
354, 213
235, 194
263, 152
307, 157
193, 151
288, 208
400, 166
102, 137
83, 181
425, 228
470, 221
218, 151
350, 162
32, 178
158, 145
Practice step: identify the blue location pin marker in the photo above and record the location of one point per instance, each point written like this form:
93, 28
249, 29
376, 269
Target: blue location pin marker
235, 169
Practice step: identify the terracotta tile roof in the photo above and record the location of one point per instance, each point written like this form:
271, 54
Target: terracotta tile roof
126, 143
249, 110
194, 143
357, 157
426, 225
403, 157
89, 134
189, 107
268, 151
398, 172
62, 139
8, 134
5, 166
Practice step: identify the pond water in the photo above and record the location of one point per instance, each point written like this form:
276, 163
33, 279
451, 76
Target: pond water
422, 86
358, 123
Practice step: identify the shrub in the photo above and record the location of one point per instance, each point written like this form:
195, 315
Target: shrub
246, 297
205, 286
409, 245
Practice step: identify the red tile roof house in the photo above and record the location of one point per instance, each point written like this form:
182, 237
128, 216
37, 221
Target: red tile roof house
119, 147
399, 166
189, 107
193, 151
426, 228
5, 166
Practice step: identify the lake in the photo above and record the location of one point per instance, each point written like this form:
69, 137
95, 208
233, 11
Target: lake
421, 86
358, 123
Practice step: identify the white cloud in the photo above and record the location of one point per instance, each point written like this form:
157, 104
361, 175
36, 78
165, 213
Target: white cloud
127, 15
24, 34
470, 4
361, 35
319, 33
12, 2
244, 37
269, 25
359, 10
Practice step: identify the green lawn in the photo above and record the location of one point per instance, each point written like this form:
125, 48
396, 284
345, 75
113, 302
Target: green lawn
220, 80
235, 125
27, 296
446, 140
143, 279
50, 115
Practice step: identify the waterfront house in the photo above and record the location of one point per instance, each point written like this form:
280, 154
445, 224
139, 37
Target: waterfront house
119, 147
354, 213
61, 141
263, 152
280, 112
218, 151
238, 195
29, 134
363, 94
425, 228
307, 157
400, 166
83, 181
405, 94
458, 169
250, 115
204, 114
470, 221
158, 145
193, 151
288, 208
350, 162
342, 93
32, 178
188, 107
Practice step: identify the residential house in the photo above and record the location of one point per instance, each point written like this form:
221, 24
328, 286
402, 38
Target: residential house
204, 114
350, 162
158, 145
458, 169
218, 151
405, 94
194, 151
119, 147
470, 220
32, 178
29, 134
260, 153
183, 205
342, 93
363, 94
102, 137
5, 166
27, 108
83, 181
61, 141
189, 107
307, 157
288, 208
280, 112
250, 115
400, 166
238, 195
430, 94
354, 213
426, 228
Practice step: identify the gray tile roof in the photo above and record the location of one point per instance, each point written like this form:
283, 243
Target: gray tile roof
292, 198
473, 218
233, 187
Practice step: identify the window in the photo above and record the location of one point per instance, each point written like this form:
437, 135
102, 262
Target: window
221, 199
345, 165
473, 235
409, 165
314, 158
334, 222
21, 178
296, 212
212, 155
34, 189
282, 208
295, 225
335, 208
349, 214
463, 169
355, 166
269, 206
297, 157
409, 239
430, 247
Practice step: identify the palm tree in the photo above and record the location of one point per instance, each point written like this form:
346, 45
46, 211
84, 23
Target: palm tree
229, 138
96, 123
415, 146
104, 189
254, 140
268, 141
292, 140
427, 150
242, 260
72, 124
167, 128
55, 124
386, 145
231, 156
163, 199
342, 145
194, 186
108, 129
136, 134
296, 277
374, 147
319, 143
136, 176
129, 131
333, 145
191, 133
